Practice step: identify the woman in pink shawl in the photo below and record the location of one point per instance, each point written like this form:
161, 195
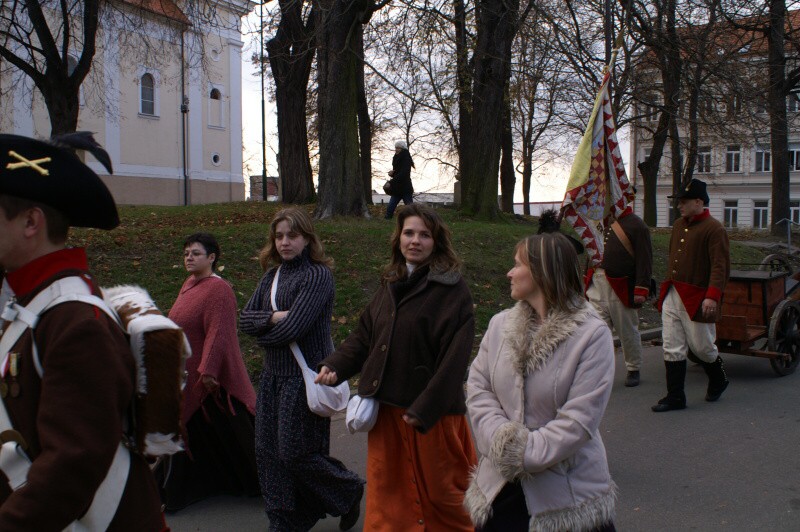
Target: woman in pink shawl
219, 400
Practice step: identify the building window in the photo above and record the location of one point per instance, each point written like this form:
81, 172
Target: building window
763, 159
147, 88
706, 106
794, 211
793, 102
650, 108
216, 113
760, 214
703, 159
731, 213
734, 105
794, 157
216, 159
733, 158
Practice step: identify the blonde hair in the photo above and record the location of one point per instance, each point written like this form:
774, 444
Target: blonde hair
299, 221
443, 257
554, 266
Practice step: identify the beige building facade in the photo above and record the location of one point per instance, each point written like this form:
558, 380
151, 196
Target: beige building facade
734, 156
170, 115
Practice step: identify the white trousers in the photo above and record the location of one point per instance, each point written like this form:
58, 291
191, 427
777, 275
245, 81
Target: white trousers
624, 320
680, 333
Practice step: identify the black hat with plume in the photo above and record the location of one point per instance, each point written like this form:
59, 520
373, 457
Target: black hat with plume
51, 173
549, 223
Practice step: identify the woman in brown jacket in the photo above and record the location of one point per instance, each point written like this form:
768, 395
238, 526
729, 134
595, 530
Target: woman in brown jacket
412, 347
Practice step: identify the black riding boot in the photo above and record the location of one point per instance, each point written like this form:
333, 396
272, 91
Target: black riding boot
675, 399
717, 380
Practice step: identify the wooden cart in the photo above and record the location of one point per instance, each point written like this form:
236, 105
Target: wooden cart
761, 317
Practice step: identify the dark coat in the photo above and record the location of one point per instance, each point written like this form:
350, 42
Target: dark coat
401, 180
618, 263
72, 419
413, 353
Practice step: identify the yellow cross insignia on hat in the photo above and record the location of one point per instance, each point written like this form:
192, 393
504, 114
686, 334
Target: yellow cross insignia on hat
26, 163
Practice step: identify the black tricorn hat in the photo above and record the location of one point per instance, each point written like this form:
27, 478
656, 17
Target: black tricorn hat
696, 189
51, 173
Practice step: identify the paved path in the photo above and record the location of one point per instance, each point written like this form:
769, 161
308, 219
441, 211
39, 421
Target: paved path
727, 466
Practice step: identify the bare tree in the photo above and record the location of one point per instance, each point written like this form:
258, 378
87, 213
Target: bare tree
769, 20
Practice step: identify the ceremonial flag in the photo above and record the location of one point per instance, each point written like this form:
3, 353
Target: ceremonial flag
598, 189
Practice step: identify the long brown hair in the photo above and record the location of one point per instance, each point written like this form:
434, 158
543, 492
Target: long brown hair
299, 221
554, 266
443, 257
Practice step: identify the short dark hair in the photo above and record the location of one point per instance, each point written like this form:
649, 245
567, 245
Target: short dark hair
57, 223
209, 243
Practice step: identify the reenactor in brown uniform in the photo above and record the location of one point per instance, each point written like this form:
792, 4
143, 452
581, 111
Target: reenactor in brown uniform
621, 284
67, 381
697, 271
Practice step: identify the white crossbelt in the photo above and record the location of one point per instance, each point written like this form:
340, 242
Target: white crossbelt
14, 462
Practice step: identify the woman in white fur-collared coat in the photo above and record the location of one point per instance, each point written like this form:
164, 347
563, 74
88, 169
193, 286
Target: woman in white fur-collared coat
536, 394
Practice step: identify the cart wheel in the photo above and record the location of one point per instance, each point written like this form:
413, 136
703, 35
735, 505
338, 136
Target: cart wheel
776, 262
784, 336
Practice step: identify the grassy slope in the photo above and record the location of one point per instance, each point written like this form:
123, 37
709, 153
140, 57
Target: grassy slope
147, 250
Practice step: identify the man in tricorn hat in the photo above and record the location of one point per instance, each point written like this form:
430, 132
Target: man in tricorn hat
67, 380
697, 271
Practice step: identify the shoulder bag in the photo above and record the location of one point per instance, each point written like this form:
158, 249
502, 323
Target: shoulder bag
322, 400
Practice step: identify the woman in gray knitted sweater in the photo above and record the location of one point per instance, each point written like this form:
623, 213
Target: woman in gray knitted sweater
300, 482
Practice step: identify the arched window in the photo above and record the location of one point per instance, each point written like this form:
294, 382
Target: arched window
216, 111
147, 87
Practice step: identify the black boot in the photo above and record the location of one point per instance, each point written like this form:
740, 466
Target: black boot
675, 399
717, 380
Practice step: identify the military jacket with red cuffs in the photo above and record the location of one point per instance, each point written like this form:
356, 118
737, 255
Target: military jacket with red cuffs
72, 416
628, 276
699, 263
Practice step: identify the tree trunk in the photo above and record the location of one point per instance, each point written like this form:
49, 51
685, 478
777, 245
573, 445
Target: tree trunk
507, 178
496, 21
364, 122
779, 143
527, 172
464, 80
341, 188
63, 104
670, 65
291, 53
677, 161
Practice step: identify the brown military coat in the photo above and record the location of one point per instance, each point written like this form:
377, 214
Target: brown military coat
71, 417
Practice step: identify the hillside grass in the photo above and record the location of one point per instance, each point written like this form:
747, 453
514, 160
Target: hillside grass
147, 250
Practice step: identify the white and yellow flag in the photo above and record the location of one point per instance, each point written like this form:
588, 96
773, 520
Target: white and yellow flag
598, 189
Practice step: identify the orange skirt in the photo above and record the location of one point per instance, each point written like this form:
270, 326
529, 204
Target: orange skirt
417, 481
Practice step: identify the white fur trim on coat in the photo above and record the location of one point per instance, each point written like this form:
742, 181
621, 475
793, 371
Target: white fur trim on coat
533, 342
475, 502
588, 515
507, 452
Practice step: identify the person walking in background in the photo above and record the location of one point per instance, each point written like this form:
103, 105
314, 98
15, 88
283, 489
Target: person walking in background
400, 182
300, 482
219, 400
536, 394
697, 271
411, 347
621, 284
